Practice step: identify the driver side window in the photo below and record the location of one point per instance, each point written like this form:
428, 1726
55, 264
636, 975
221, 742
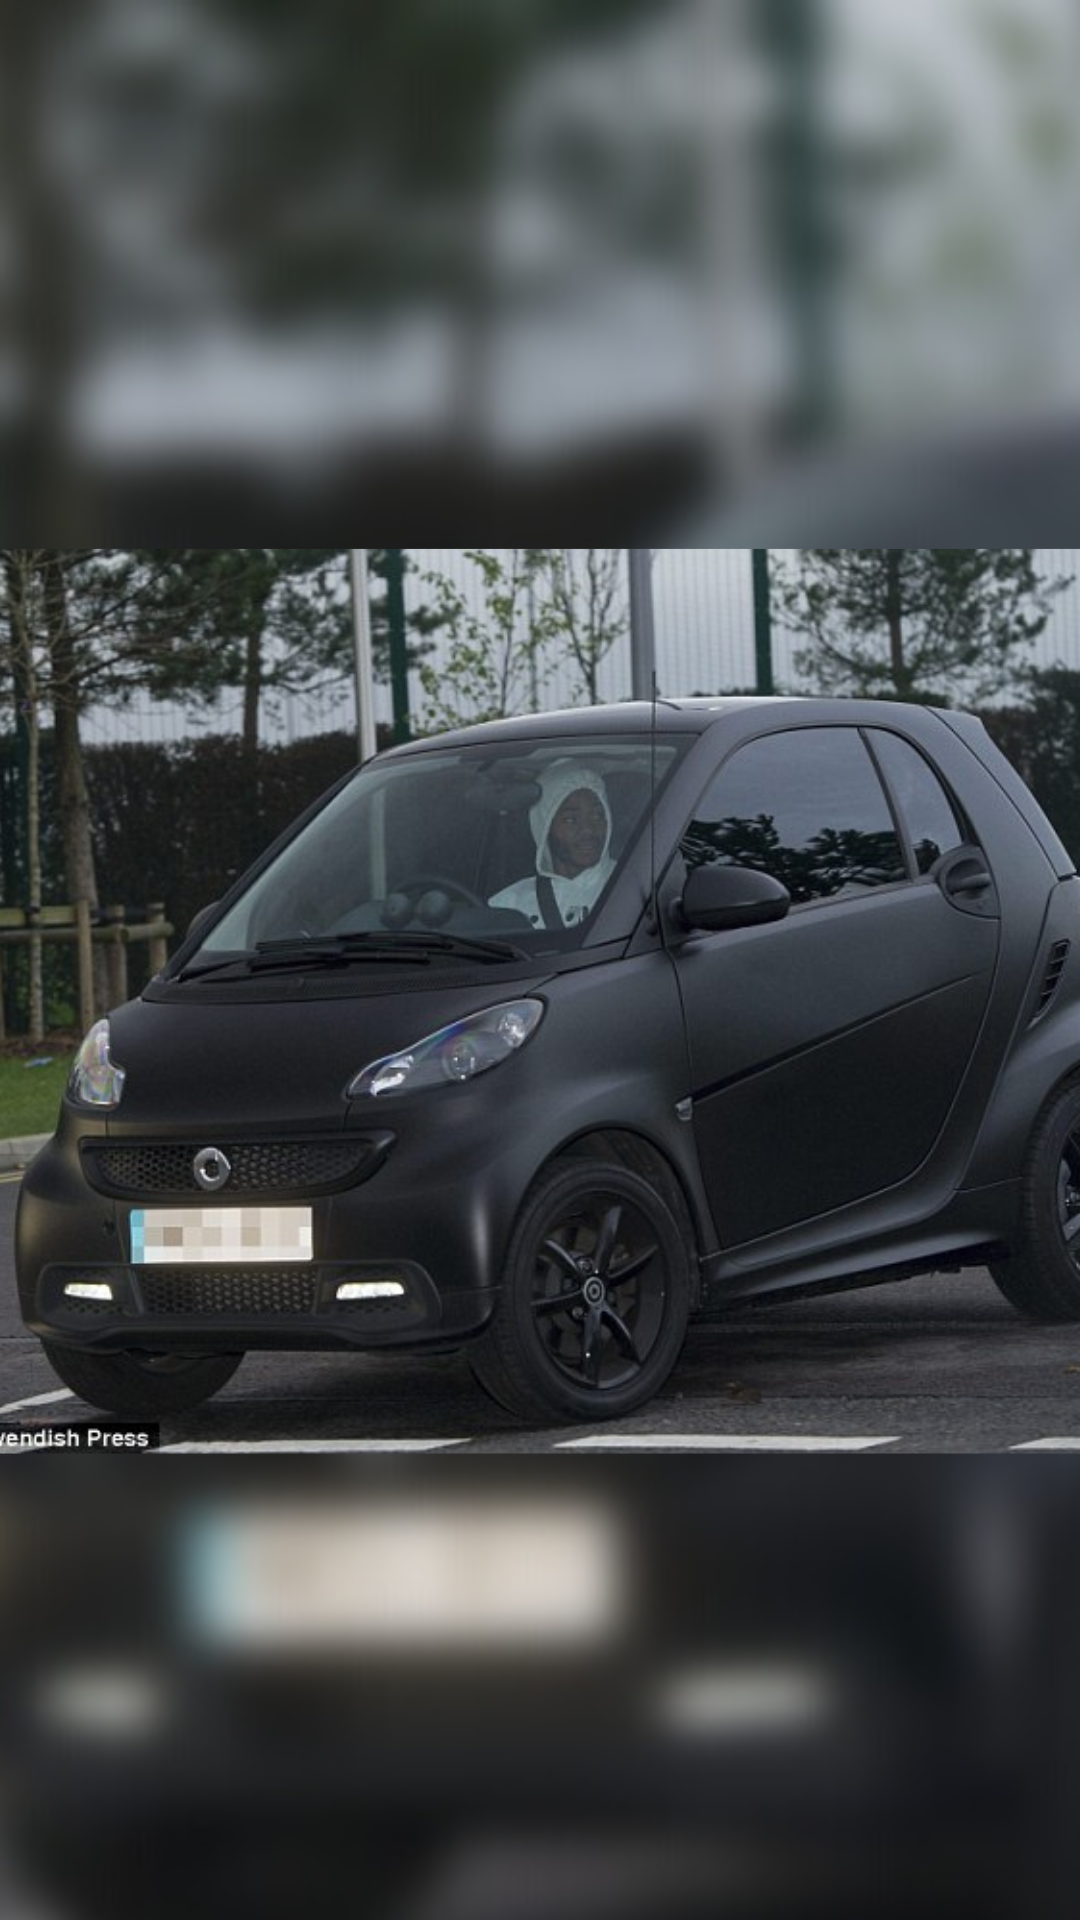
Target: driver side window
805, 806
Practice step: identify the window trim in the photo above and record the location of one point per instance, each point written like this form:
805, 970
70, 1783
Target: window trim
968, 838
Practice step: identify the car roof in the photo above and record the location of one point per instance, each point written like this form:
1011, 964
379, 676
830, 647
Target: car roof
692, 713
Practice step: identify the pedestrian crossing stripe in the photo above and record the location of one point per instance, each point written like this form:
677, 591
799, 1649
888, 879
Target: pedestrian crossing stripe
727, 1443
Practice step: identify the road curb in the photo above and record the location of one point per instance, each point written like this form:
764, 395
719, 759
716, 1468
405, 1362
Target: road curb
17, 1154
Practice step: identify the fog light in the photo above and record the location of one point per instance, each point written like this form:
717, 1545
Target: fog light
88, 1290
370, 1290
745, 1700
104, 1703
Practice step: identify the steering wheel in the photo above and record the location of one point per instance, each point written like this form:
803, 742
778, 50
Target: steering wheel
412, 891
423, 882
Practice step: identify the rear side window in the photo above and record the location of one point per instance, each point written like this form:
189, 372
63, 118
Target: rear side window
928, 812
807, 807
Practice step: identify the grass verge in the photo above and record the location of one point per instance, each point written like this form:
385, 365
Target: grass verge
29, 1093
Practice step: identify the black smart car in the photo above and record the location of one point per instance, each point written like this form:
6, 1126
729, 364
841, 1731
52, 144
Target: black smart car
543, 1036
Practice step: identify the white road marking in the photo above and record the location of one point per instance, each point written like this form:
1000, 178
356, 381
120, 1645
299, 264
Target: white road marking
311, 1446
728, 1442
1066, 1445
37, 1400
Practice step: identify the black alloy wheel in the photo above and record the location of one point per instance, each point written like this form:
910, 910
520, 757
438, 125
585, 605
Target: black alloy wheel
1041, 1278
1068, 1195
595, 1297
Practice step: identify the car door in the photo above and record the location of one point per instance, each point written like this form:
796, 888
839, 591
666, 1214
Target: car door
827, 1048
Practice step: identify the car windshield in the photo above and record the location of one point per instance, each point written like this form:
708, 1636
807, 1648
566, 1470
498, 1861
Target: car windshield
443, 848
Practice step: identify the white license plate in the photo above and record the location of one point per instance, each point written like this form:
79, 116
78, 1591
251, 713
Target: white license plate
219, 1236
478, 1576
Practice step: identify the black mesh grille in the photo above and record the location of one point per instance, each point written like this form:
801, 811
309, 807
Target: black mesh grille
244, 1290
258, 1166
268, 1295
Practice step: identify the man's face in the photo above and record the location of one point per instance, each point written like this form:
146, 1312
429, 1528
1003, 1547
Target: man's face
578, 832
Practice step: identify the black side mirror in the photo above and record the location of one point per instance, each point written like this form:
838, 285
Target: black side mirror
716, 899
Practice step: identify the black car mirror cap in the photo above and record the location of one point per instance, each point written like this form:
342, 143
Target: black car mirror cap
716, 899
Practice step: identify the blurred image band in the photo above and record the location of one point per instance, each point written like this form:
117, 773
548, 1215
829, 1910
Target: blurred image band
692, 270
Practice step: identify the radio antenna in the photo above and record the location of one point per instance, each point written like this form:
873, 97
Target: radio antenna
654, 904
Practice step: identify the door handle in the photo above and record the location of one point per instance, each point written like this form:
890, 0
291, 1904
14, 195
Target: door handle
969, 882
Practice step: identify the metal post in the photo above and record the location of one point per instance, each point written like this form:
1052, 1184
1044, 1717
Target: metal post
642, 630
762, 620
365, 688
157, 942
399, 658
793, 35
116, 956
733, 261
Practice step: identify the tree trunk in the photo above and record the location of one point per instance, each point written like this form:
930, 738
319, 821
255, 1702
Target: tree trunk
894, 614
254, 681
76, 827
252, 694
18, 569
41, 483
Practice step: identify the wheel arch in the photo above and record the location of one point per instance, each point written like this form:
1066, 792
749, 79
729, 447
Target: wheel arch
1040, 1274
642, 1156
1041, 1067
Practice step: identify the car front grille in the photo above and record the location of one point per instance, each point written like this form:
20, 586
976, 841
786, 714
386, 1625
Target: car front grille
290, 1167
227, 1290
271, 1297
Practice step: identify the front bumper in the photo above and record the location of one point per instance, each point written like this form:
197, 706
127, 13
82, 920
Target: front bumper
221, 1309
417, 1274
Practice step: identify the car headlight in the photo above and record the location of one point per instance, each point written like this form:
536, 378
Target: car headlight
458, 1052
96, 1080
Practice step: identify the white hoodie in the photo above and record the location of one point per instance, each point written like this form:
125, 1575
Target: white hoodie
573, 897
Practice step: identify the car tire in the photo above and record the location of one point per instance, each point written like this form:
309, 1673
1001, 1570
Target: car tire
141, 1386
1041, 1278
595, 1297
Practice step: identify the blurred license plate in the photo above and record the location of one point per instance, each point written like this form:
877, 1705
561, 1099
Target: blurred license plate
177, 1236
476, 1576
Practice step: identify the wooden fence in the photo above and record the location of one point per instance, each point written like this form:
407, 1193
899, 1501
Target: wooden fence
80, 926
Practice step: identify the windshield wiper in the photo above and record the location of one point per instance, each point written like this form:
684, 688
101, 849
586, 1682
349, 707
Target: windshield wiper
342, 949
412, 944
194, 972
464, 945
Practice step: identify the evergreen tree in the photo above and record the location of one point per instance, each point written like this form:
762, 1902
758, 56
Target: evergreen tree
260, 619
1042, 739
932, 624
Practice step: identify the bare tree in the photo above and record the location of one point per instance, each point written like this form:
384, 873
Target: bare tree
20, 577
588, 599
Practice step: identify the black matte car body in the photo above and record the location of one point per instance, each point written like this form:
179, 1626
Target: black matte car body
822, 1027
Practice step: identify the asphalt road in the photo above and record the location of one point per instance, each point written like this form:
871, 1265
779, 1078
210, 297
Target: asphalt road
936, 1365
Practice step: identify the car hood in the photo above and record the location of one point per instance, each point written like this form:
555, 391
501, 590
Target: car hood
264, 1064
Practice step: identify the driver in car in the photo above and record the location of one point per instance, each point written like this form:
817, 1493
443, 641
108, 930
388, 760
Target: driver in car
571, 825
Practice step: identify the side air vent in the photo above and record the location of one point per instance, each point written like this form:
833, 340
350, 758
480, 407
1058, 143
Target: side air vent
1051, 981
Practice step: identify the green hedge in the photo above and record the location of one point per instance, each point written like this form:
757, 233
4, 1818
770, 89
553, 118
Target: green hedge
178, 823
172, 822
